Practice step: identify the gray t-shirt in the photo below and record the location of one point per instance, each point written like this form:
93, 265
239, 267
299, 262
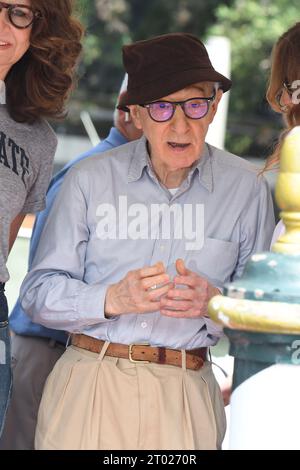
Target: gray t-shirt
26, 157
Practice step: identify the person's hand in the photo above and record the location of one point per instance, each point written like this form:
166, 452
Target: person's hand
190, 301
138, 292
226, 390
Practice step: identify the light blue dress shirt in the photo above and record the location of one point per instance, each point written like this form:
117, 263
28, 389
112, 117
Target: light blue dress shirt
19, 322
78, 258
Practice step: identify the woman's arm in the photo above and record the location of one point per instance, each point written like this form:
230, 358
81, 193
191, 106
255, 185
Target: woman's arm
14, 228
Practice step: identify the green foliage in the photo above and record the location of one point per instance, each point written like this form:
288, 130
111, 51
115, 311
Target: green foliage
253, 27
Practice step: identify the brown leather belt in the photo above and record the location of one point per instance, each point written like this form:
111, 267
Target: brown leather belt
143, 353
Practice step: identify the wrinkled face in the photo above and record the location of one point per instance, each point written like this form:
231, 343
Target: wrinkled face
179, 142
14, 42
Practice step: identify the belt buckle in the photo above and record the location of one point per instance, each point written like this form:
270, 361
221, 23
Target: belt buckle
140, 361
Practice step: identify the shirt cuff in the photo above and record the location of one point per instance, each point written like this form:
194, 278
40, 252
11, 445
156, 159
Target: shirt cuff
213, 328
91, 302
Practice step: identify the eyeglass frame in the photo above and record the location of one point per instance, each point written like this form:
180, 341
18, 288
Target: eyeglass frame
10, 6
181, 104
288, 87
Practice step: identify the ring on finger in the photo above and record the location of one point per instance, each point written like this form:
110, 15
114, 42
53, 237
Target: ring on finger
153, 287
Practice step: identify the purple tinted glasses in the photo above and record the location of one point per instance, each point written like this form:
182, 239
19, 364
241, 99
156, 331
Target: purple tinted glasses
193, 108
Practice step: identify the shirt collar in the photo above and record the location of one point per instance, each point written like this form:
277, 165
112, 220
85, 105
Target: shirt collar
2, 92
141, 160
205, 169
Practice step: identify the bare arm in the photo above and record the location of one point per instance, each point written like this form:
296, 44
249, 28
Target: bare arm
14, 229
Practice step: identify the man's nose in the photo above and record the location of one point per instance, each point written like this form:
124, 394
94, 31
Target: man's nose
180, 122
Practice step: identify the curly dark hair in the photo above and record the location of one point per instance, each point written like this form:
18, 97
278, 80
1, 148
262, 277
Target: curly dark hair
38, 85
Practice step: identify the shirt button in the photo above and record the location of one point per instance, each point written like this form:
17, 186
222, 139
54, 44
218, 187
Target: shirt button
144, 324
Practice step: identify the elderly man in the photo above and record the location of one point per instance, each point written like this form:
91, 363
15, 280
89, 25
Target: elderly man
138, 241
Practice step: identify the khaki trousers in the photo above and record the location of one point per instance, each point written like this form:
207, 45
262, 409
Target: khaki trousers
96, 402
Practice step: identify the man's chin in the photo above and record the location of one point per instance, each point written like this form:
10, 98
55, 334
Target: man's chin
183, 160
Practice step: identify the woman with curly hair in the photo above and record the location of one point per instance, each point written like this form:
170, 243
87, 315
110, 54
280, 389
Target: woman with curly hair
284, 92
39, 47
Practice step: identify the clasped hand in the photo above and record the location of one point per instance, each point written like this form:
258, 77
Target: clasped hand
150, 289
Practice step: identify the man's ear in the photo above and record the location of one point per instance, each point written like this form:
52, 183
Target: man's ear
124, 115
215, 103
135, 114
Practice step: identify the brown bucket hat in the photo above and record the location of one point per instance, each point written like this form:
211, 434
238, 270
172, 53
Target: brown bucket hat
165, 64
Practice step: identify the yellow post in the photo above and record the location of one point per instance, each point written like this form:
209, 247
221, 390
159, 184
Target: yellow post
288, 194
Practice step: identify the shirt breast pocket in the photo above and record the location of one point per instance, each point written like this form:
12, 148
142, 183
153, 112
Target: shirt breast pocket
216, 261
